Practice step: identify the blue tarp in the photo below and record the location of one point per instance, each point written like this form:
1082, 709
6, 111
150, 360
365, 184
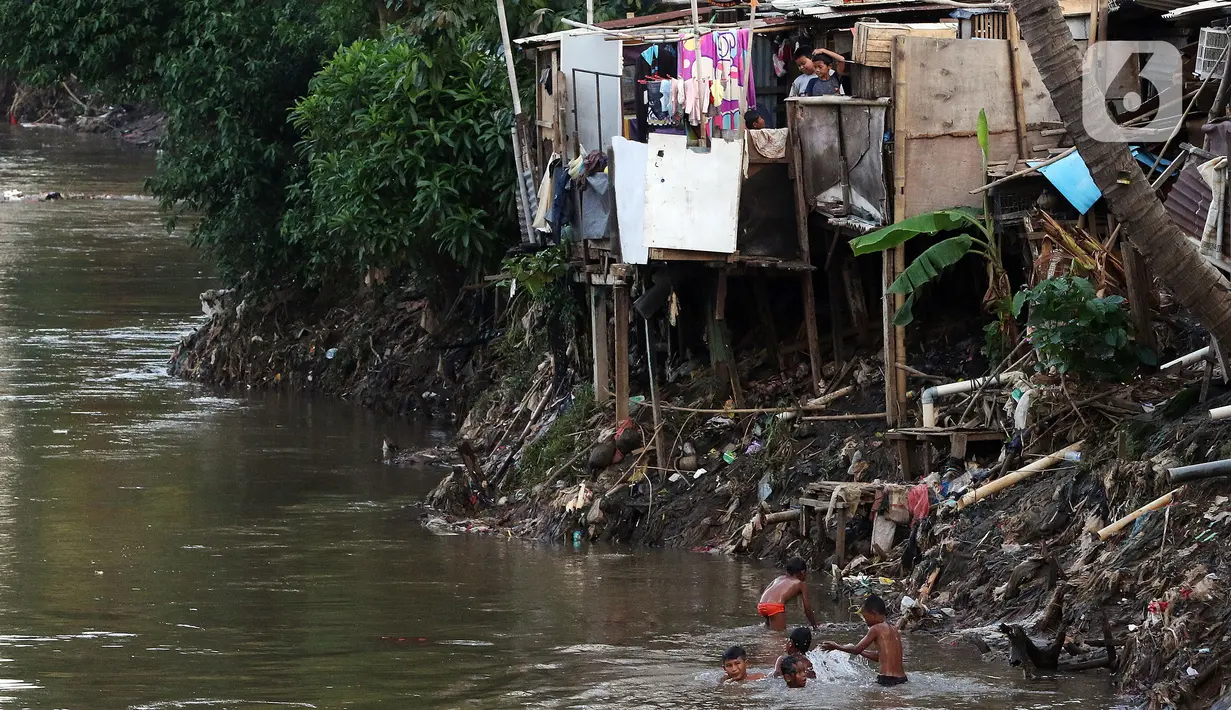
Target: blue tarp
1147, 158
1072, 178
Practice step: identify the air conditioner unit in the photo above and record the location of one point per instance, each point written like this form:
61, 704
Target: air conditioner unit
1209, 52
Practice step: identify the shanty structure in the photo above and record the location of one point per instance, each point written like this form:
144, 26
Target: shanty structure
702, 215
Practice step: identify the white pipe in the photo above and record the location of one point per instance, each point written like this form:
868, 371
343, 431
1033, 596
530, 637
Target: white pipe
930, 394
1220, 413
1188, 359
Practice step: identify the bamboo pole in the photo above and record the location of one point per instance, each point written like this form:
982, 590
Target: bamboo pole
844, 417
1020, 474
826, 399
1124, 522
508, 59
1000, 181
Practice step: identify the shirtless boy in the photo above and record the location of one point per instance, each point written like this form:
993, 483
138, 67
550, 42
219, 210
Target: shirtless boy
782, 590
793, 674
735, 665
886, 638
797, 646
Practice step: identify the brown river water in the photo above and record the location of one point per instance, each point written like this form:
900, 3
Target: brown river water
162, 546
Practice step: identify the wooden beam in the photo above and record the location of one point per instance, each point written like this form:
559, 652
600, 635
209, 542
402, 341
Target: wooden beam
601, 343
760, 292
720, 296
853, 286
814, 338
621, 353
889, 259
802, 210
1015, 81
658, 254
721, 358
839, 535
1140, 286
833, 278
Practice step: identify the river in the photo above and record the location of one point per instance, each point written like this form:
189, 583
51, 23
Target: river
162, 546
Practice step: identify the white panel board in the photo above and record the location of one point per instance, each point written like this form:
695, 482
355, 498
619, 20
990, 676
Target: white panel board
591, 94
692, 198
629, 168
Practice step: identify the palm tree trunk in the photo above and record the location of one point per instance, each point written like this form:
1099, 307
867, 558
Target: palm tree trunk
1197, 285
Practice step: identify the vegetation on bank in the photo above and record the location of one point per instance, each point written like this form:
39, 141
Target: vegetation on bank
314, 140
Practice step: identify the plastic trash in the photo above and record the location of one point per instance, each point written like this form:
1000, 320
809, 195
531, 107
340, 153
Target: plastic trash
728, 456
1073, 456
753, 448
700, 472
908, 603
576, 538
331, 353
764, 490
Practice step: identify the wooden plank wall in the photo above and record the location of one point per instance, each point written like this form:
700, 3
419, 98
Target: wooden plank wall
940, 86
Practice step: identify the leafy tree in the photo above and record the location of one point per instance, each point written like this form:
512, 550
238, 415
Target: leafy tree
402, 155
406, 150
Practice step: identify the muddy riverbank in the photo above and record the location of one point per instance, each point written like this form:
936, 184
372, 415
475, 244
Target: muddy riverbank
540, 459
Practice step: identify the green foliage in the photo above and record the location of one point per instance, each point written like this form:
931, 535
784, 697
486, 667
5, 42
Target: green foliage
229, 151
558, 443
934, 259
981, 131
406, 150
102, 42
929, 223
402, 156
926, 267
1075, 331
535, 272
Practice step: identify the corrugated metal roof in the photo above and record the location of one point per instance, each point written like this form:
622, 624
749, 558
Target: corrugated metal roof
1201, 8
655, 19
868, 7
1159, 5
1188, 203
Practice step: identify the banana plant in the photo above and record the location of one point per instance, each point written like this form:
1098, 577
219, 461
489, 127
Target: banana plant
979, 237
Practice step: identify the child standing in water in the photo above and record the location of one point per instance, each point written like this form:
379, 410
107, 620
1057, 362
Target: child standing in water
886, 638
797, 646
782, 590
735, 665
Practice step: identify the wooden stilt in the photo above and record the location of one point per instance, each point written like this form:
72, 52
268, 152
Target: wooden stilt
602, 353
721, 357
1139, 284
855, 301
621, 353
814, 338
1015, 81
760, 291
892, 412
839, 535
837, 295
660, 442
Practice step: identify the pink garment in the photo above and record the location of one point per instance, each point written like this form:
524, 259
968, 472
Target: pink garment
721, 56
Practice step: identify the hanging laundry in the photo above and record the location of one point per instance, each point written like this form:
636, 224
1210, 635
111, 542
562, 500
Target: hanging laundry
781, 58
658, 111
721, 57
